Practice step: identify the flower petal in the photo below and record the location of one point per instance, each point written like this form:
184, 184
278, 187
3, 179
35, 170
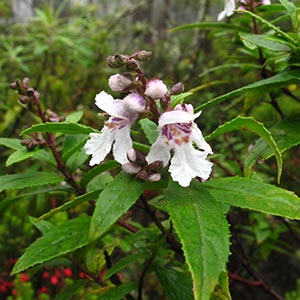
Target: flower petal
175, 116
188, 163
123, 144
160, 151
99, 145
113, 107
197, 137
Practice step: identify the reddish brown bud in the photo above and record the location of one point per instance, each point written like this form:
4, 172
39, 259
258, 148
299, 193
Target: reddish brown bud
177, 88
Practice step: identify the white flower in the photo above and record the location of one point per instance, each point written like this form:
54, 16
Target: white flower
116, 131
156, 89
228, 9
178, 132
119, 82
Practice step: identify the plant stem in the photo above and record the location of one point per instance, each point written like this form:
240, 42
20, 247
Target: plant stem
175, 245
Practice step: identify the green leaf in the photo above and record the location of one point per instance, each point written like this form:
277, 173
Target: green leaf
113, 202
253, 41
118, 292
64, 238
106, 166
265, 86
249, 123
150, 130
70, 204
63, 127
293, 44
120, 265
294, 13
179, 99
11, 143
221, 291
177, 285
203, 231
217, 25
29, 179
20, 155
72, 143
43, 226
255, 195
286, 135
74, 117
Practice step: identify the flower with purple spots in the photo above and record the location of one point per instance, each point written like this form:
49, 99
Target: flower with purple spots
115, 133
179, 133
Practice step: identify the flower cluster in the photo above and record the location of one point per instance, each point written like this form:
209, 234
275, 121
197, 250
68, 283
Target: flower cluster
230, 6
180, 142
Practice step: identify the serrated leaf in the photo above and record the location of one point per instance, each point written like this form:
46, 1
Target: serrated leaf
203, 231
29, 179
249, 123
64, 238
150, 130
264, 41
62, 127
117, 292
265, 86
113, 202
43, 226
286, 135
177, 285
255, 195
293, 44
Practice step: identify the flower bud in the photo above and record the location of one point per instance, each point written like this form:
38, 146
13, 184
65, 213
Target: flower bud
131, 168
177, 88
134, 103
131, 65
156, 89
154, 177
131, 155
119, 82
117, 61
142, 55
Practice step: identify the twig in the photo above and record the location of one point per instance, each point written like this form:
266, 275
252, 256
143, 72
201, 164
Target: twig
114, 278
142, 278
175, 245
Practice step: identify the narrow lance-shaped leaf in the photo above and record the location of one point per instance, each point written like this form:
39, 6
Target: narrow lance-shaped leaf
203, 231
26, 180
286, 135
113, 202
293, 44
249, 123
64, 238
255, 195
265, 85
63, 127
